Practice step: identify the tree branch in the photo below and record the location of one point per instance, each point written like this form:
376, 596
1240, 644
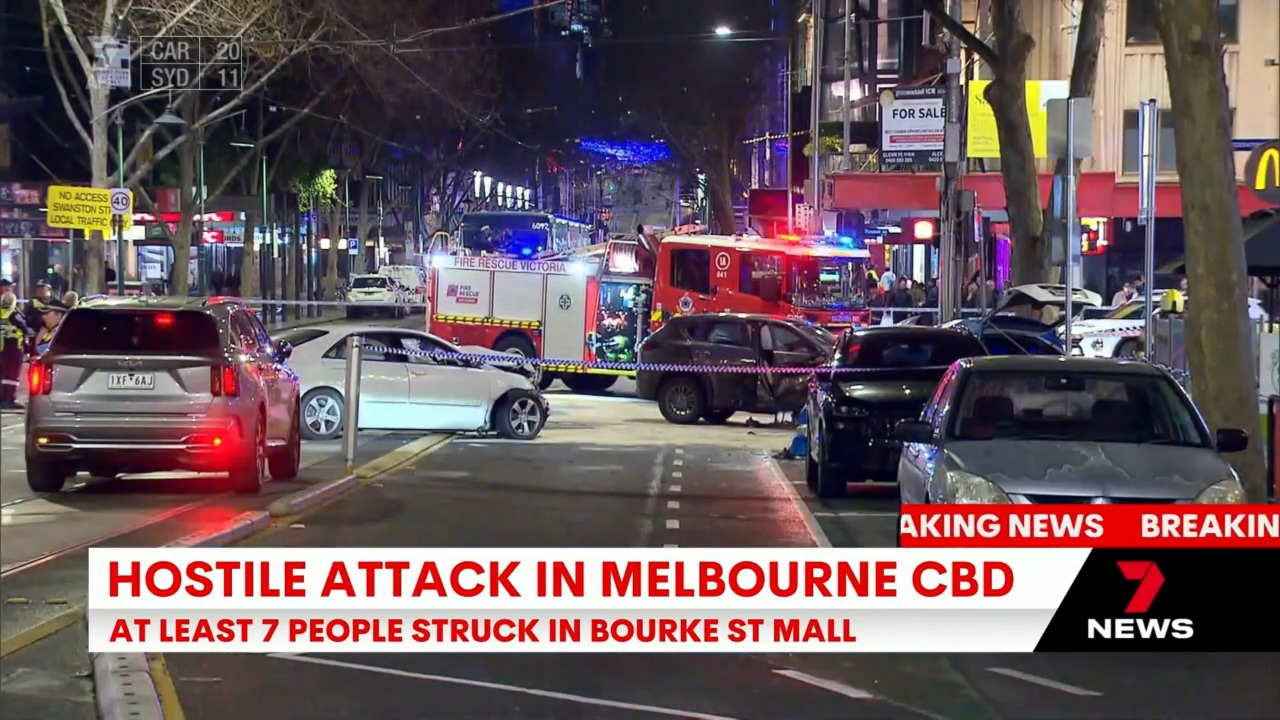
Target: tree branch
967, 38
50, 54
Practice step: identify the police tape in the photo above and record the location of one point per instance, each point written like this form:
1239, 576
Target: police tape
566, 365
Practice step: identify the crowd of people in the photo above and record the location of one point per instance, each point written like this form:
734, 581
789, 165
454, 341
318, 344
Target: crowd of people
26, 332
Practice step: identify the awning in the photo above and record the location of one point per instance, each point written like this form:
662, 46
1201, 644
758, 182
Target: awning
1261, 249
1098, 195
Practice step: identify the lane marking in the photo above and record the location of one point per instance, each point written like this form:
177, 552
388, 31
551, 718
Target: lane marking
829, 685
1044, 682
675, 488
166, 689
857, 513
671, 545
34, 634
677, 474
679, 451
677, 462
651, 492
548, 694
673, 504
673, 524
815, 528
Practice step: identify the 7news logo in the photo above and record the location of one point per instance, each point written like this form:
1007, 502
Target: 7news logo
1149, 578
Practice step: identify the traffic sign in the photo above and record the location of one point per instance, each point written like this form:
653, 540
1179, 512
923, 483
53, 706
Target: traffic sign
353, 246
111, 63
82, 208
121, 201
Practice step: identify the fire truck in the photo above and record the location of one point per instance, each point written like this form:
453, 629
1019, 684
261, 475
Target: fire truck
598, 303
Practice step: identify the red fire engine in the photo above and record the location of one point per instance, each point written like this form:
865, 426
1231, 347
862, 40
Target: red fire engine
598, 303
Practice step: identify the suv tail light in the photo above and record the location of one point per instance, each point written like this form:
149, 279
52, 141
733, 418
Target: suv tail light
223, 381
40, 378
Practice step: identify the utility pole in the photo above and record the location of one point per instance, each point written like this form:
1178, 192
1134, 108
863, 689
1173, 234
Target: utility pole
952, 178
815, 121
786, 125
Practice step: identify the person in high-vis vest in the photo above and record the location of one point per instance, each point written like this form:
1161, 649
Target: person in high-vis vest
34, 311
13, 339
54, 310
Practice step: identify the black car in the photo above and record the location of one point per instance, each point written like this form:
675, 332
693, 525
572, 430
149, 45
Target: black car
876, 378
678, 365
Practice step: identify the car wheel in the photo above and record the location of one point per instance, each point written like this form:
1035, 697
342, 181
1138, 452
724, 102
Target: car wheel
323, 413
584, 383
520, 416
830, 485
1129, 349
717, 417
681, 401
515, 344
250, 468
810, 467
44, 476
286, 461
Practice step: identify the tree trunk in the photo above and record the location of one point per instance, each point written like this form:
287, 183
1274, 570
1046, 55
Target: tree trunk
1219, 343
186, 210
249, 259
95, 271
1007, 95
1084, 77
337, 244
720, 192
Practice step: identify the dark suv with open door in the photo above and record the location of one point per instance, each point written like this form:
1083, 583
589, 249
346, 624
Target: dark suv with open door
708, 367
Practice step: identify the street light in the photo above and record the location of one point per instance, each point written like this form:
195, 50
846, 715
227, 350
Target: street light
723, 31
252, 241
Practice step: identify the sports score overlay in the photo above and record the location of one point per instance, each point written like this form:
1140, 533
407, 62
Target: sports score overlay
1006, 597
192, 63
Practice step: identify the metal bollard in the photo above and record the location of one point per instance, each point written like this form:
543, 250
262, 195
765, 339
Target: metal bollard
351, 402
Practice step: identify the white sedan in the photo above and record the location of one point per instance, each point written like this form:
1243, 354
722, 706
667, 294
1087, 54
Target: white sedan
400, 390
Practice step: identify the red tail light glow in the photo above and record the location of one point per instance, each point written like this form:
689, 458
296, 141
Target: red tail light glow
223, 381
164, 319
40, 378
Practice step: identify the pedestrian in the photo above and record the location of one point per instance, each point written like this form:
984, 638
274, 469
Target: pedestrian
58, 280
1125, 294
13, 339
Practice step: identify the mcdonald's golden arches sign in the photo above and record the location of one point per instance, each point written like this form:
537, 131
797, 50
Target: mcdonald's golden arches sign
1262, 172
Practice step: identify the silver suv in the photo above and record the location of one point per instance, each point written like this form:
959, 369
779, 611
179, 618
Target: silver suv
160, 384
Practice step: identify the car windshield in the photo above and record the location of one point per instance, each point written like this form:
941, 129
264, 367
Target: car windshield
824, 283
824, 336
151, 332
906, 350
370, 283
1080, 407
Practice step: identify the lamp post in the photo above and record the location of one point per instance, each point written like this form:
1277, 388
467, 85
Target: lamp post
251, 240
202, 257
166, 119
378, 248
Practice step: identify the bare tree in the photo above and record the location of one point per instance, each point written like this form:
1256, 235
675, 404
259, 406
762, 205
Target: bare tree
274, 32
1218, 339
1007, 56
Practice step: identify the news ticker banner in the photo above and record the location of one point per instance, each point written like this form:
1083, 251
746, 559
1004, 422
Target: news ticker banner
793, 600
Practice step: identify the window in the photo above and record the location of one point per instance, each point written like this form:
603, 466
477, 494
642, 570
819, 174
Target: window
1082, 407
137, 332
299, 336
371, 282
260, 332
417, 343
784, 339
691, 269
387, 345
723, 332
753, 267
906, 350
1133, 144
245, 336
1140, 21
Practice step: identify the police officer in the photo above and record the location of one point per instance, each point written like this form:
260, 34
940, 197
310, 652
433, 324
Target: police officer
37, 306
43, 335
13, 337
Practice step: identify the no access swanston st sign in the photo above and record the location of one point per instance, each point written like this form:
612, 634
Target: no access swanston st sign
83, 208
